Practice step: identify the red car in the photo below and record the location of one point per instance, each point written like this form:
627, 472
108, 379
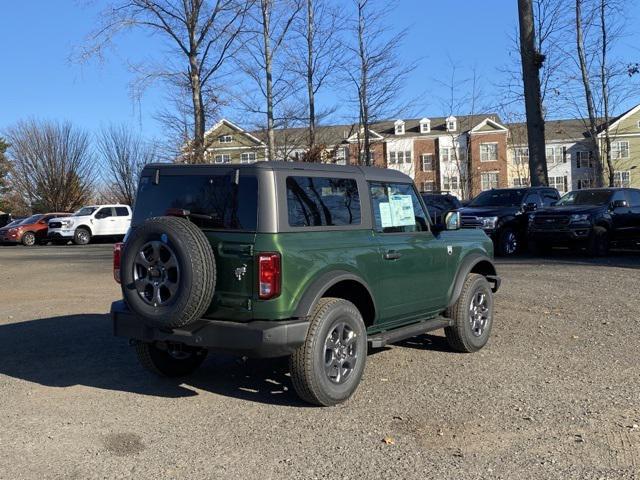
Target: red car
29, 231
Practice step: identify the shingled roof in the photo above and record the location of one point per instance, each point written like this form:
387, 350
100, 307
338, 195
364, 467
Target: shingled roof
554, 131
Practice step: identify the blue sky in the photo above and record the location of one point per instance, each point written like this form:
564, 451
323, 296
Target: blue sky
38, 80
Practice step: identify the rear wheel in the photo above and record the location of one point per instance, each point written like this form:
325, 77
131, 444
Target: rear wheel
472, 316
170, 360
327, 368
82, 236
29, 239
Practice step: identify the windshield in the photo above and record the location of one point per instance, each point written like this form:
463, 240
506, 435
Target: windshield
85, 211
498, 198
440, 201
586, 197
31, 219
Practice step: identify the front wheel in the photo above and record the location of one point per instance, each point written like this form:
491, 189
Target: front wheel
29, 239
508, 242
168, 360
82, 236
472, 316
327, 368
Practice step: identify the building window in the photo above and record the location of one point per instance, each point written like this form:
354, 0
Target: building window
555, 154
427, 162
393, 158
559, 183
521, 182
584, 159
225, 139
488, 152
451, 124
445, 154
428, 186
425, 126
371, 157
489, 180
249, 157
521, 156
622, 179
222, 158
619, 150
450, 183
400, 157
585, 183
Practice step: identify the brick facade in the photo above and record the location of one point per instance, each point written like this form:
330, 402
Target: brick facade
426, 146
478, 167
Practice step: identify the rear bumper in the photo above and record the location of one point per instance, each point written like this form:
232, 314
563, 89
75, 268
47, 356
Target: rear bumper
258, 339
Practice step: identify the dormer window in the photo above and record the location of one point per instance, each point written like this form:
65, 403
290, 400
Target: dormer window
425, 125
225, 138
452, 124
399, 127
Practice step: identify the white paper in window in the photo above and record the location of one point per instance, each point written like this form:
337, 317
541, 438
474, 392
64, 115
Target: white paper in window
402, 213
385, 215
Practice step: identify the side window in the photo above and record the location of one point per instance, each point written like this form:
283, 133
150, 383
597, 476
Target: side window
533, 198
104, 213
396, 208
122, 212
322, 201
634, 198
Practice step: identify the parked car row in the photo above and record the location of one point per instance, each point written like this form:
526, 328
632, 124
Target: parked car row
95, 221
538, 219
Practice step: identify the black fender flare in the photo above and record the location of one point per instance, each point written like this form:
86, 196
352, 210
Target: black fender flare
466, 266
320, 285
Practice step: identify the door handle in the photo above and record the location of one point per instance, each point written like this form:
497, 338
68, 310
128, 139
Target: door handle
392, 255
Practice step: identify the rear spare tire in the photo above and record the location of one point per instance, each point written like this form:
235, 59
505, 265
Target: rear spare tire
168, 272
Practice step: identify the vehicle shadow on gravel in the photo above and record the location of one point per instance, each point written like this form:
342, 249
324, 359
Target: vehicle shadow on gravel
81, 350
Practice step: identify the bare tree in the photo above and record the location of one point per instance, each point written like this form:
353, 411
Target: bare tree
532, 61
373, 67
201, 35
317, 57
124, 154
53, 168
5, 168
271, 23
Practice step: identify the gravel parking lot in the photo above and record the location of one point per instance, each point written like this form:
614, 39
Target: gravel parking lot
556, 393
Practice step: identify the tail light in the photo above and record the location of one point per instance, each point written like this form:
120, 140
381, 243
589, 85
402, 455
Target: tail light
117, 255
269, 275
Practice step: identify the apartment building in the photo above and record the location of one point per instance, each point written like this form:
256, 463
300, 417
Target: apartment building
462, 155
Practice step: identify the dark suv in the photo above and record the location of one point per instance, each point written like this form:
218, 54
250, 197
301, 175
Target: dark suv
503, 214
593, 219
309, 261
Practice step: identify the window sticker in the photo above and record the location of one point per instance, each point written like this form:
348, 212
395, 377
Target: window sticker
402, 213
385, 215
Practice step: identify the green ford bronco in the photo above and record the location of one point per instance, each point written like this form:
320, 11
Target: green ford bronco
312, 261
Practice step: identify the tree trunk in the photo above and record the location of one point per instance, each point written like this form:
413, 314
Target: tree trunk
364, 79
310, 60
198, 111
586, 82
266, 35
604, 83
531, 63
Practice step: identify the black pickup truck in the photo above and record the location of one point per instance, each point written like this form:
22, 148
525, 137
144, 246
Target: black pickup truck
502, 213
593, 219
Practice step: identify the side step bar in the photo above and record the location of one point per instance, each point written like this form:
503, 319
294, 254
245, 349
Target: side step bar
379, 340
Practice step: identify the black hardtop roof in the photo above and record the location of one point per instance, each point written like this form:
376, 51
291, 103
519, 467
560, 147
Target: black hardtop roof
370, 173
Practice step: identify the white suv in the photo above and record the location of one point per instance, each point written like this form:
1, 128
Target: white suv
91, 221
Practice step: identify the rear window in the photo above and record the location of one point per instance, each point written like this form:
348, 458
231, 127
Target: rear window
322, 201
122, 211
215, 202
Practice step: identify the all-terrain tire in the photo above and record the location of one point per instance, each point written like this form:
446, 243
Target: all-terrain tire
599, 242
29, 239
307, 364
81, 236
465, 335
195, 274
166, 362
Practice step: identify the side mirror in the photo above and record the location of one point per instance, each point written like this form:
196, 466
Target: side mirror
530, 207
619, 204
452, 221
